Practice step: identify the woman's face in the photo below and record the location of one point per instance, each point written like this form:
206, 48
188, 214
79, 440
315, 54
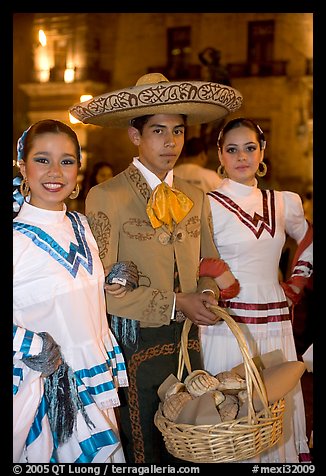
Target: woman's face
241, 155
51, 169
104, 173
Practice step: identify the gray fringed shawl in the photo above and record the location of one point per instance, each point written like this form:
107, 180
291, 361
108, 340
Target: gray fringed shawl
64, 402
125, 330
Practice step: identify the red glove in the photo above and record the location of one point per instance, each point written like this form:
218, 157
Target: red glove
297, 281
230, 292
212, 267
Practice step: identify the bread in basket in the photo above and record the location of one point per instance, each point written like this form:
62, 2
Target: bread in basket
231, 440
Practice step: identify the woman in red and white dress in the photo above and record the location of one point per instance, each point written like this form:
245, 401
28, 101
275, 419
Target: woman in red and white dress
250, 228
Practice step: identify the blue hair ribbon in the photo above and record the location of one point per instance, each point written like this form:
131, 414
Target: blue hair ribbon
18, 199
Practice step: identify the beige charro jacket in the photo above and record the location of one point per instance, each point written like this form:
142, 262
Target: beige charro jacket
116, 211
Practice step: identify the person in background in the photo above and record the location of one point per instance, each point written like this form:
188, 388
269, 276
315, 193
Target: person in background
101, 171
67, 365
161, 223
250, 227
213, 70
216, 72
193, 168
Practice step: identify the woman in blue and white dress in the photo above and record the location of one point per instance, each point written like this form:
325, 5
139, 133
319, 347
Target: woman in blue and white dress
250, 226
67, 365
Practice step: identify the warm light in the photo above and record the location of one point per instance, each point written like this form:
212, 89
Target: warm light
85, 97
72, 119
42, 37
69, 75
42, 58
44, 75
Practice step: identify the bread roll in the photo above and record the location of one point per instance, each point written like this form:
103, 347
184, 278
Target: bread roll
200, 382
175, 388
230, 382
218, 397
173, 405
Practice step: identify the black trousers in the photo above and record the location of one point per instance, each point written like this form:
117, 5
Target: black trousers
155, 359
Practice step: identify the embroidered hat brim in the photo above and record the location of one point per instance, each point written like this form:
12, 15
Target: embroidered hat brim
200, 101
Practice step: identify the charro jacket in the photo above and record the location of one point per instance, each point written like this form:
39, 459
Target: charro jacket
116, 211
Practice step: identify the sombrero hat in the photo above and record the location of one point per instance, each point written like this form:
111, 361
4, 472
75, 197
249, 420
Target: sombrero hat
200, 101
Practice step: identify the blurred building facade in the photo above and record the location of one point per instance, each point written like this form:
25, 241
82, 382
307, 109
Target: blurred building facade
58, 57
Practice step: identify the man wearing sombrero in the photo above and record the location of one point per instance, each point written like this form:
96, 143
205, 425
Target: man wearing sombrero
147, 219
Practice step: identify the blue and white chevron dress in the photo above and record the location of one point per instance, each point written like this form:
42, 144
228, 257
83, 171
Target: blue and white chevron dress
58, 288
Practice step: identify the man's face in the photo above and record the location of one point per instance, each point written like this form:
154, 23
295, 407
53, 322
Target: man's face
160, 143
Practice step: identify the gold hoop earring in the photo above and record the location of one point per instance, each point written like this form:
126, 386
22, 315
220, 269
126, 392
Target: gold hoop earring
24, 188
263, 172
74, 194
222, 172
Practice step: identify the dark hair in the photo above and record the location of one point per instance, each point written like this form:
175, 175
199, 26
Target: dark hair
97, 166
139, 122
194, 146
49, 126
245, 122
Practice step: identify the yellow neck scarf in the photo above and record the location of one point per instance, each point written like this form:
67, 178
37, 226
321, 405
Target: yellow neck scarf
167, 205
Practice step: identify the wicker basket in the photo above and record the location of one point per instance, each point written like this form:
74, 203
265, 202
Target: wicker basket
232, 440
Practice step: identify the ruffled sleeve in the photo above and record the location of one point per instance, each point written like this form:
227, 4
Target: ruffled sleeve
25, 344
298, 228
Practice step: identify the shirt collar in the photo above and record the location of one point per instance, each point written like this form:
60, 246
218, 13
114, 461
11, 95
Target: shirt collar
150, 177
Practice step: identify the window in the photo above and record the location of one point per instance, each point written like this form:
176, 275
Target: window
179, 40
261, 46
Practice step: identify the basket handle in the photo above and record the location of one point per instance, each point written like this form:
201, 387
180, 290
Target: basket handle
184, 359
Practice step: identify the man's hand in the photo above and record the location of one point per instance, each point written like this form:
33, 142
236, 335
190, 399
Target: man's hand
195, 306
121, 277
116, 290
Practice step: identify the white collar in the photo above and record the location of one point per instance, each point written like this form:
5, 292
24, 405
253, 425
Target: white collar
150, 177
33, 214
236, 188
